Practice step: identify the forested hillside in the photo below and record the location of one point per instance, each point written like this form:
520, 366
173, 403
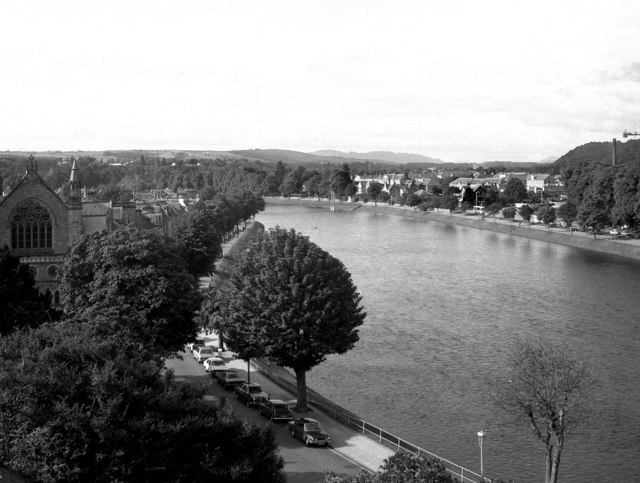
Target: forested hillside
628, 153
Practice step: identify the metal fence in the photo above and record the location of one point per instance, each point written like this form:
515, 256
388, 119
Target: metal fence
287, 380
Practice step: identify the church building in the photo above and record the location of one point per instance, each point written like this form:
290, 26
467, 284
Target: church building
39, 226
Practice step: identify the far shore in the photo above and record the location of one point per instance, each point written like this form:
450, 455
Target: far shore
603, 243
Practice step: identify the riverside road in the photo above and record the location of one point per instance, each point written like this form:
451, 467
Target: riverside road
301, 464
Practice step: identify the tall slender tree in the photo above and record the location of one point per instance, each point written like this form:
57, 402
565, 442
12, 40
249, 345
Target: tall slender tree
547, 387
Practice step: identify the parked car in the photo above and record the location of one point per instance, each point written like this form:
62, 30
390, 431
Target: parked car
228, 379
213, 364
309, 431
275, 410
192, 345
250, 393
202, 353
614, 232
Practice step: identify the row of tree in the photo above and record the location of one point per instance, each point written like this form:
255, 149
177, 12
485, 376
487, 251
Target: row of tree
604, 194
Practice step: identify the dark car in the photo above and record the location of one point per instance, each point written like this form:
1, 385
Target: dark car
250, 393
228, 379
309, 431
275, 410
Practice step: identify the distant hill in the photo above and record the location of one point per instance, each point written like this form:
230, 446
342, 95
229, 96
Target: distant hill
600, 152
388, 156
294, 157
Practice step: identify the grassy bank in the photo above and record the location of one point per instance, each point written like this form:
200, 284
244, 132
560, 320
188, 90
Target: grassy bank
622, 248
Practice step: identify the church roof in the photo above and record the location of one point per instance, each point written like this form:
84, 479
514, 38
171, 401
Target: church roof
31, 176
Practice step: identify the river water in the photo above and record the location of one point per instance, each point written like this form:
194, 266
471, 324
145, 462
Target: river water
444, 305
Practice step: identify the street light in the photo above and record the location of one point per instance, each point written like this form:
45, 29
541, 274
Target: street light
480, 438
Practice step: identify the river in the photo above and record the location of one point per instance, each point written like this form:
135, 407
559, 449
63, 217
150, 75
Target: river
445, 304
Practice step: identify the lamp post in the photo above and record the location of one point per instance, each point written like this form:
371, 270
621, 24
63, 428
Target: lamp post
480, 438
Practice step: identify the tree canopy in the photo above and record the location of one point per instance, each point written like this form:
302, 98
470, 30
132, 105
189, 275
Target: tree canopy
293, 302
137, 280
79, 406
515, 191
22, 304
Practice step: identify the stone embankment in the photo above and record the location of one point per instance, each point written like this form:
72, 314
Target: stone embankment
603, 244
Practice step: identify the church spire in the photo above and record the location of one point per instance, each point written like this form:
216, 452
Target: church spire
75, 192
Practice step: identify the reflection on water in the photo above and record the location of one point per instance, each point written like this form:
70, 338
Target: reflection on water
444, 304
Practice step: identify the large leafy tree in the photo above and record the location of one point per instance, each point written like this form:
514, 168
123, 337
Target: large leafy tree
568, 212
137, 280
374, 191
293, 302
546, 386
22, 304
593, 212
199, 238
525, 211
546, 214
342, 183
515, 191
626, 194
78, 406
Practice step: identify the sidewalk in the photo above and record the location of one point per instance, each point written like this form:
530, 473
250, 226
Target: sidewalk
355, 447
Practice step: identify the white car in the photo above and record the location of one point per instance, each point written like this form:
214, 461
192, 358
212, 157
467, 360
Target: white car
202, 353
214, 364
614, 232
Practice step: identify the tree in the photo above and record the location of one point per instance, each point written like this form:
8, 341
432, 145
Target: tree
593, 213
103, 410
509, 213
374, 191
568, 212
401, 467
22, 304
547, 387
515, 191
138, 281
341, 182
207, 193
199, 238
626, 194
449, 202
293, 302
492, 209
525, 212
546, 213
412, 200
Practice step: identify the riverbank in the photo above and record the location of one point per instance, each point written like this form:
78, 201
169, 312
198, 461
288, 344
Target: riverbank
561, 236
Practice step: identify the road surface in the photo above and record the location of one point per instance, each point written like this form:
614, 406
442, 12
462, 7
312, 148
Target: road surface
301, 464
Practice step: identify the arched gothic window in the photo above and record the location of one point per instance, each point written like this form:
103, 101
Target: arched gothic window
31, 227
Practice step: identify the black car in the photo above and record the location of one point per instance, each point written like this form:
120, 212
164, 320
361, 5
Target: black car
275, 410
228, 379
309, 431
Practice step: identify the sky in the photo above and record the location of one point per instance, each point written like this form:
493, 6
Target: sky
462, 81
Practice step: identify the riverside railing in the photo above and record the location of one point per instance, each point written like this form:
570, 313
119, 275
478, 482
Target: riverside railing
287, 380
